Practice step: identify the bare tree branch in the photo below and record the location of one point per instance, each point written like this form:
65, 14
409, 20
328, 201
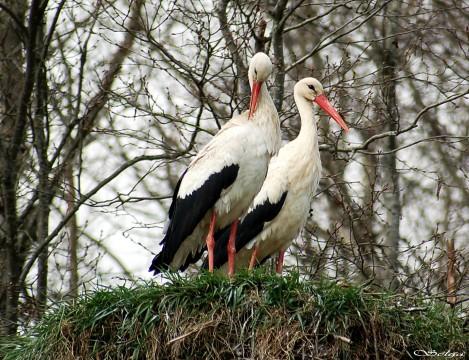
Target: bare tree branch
386, 134
319, 47
231, 44
83, 199
15, 18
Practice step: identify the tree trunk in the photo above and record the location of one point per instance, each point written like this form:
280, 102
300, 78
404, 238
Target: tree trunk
11, 85
44, 186
72, 227
390, 172
279, 62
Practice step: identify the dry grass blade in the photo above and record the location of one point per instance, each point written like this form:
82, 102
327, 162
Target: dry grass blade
253, 316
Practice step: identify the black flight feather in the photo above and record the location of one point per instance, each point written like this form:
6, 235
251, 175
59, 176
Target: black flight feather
174, 198
248, 229
186, 213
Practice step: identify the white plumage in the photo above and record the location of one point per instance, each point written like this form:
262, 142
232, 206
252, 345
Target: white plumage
238, 156
280, 209
248, 147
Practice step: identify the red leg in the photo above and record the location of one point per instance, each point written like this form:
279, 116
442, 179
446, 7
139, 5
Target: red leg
211, 241
231, 249
253, 261
279, 266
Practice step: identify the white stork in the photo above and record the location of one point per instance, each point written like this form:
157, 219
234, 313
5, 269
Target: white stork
222, 180
279, 211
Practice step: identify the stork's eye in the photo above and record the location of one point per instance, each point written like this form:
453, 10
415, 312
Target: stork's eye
312, 87
255, 71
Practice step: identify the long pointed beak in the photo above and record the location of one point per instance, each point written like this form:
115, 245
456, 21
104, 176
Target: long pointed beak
322, 101
256, 89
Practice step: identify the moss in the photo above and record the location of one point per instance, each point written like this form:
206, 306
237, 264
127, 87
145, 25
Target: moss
255, 315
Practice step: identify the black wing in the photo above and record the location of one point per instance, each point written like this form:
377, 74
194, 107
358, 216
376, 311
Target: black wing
186, 213
175, 196
248, 229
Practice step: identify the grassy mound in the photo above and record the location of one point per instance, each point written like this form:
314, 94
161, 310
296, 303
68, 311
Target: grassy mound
254, 316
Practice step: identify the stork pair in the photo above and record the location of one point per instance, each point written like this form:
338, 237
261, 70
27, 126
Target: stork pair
242, 173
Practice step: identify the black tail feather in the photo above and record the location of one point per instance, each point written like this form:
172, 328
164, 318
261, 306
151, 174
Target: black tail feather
248, 229
186, 213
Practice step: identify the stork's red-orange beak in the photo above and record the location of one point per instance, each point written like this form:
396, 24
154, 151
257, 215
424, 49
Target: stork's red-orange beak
322, 101
256, 89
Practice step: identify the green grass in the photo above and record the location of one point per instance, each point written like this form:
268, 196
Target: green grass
255, 315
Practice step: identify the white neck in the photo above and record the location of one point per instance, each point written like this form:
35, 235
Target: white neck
308, 135
267, 118
264, 100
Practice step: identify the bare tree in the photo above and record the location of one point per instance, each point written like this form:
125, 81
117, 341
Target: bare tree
103, 104
28, 191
